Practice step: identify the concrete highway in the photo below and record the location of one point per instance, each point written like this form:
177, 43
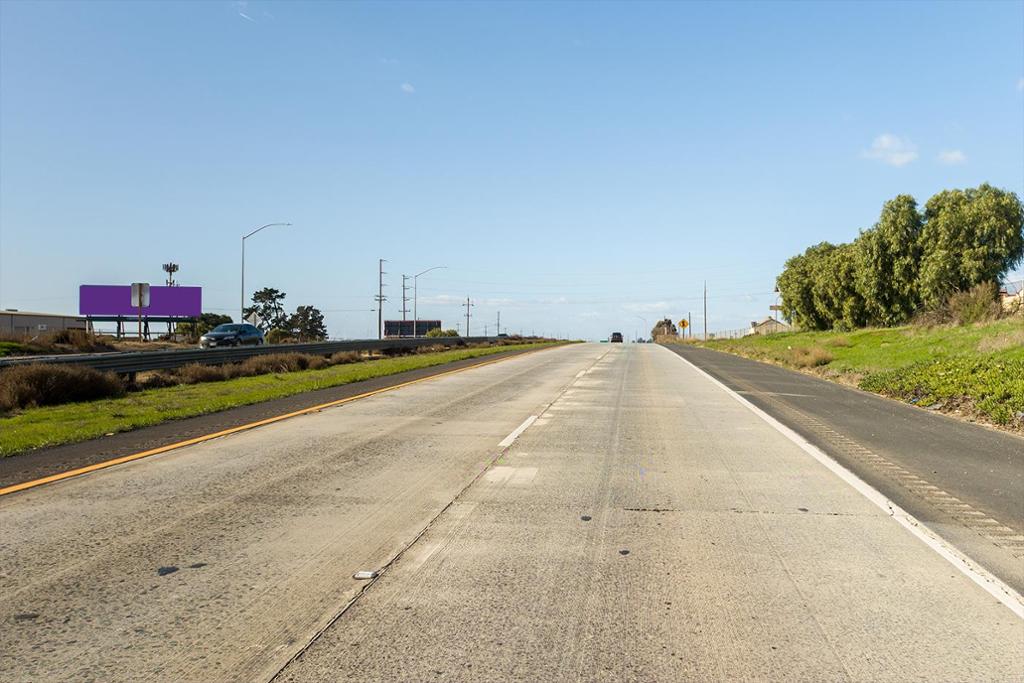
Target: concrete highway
964, 481
590, 512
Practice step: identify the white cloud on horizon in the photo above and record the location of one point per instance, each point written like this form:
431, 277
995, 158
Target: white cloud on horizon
891, 149
407, 88
952, 157
651, 307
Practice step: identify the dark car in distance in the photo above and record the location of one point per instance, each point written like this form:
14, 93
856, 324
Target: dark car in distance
231, 334
616, 337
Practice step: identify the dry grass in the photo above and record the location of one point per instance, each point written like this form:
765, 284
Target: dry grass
343, 357
812, 357
194, 373
839, 342
1002, 342
42, 384
279, 362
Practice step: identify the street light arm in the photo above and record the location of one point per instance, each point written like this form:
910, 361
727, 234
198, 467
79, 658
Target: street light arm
262, 227
428, 270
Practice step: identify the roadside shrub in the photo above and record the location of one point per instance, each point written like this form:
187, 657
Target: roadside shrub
839, 342
157, 380
80, 340
281, 362
343, 357
978, 304
810, 358
41, 384
433, 348
438, 332
194, 373
278, 336
318, 363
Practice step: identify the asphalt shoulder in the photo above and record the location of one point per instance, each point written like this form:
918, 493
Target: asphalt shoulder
44, 462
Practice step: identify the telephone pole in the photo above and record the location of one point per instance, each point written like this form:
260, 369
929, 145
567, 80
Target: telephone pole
705, 310
380, 298
498, 328
468, 304
405, 303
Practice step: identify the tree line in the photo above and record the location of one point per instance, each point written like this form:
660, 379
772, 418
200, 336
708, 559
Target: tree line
909, 261
305, 324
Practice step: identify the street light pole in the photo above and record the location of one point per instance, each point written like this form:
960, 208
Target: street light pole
415, 293
241, 308
645, 323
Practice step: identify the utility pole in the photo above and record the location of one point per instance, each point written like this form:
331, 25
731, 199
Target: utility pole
380, 299
498, 328
405, 304
468, 304
689, 323
705, 310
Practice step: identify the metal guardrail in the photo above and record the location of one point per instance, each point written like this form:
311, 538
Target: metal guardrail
131, 362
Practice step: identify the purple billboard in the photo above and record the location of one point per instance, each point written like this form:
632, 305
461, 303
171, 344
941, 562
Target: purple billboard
182, 302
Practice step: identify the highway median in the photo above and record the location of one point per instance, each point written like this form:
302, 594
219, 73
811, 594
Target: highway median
37, 427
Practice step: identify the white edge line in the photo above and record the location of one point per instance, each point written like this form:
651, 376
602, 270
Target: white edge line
507, 441
992, 585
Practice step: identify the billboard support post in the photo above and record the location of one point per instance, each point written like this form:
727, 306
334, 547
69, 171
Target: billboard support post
140, 299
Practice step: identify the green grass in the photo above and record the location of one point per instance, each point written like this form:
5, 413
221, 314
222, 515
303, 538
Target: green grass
10, 348
53, 425
976, 369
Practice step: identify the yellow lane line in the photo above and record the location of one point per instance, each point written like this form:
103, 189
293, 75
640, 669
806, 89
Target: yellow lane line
14, 488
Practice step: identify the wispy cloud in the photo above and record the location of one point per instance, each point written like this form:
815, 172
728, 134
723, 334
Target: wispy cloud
407, 88
389, 61
241, 6
441, 300
952, 157
650, 307
891, 149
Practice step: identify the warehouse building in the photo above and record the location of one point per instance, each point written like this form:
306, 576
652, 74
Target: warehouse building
29, 324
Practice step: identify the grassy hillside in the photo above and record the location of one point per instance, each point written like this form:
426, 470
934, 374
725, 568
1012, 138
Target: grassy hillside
975, 370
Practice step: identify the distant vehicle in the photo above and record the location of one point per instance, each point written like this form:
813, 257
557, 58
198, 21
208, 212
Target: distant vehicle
232, 334
616, 337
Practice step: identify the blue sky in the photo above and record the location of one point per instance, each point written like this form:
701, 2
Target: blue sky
578, 166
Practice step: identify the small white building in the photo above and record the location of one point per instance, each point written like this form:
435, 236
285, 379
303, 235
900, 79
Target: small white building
767, 326
1011, 296
31, 324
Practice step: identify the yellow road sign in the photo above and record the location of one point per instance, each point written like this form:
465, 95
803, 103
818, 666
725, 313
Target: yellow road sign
683, 324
